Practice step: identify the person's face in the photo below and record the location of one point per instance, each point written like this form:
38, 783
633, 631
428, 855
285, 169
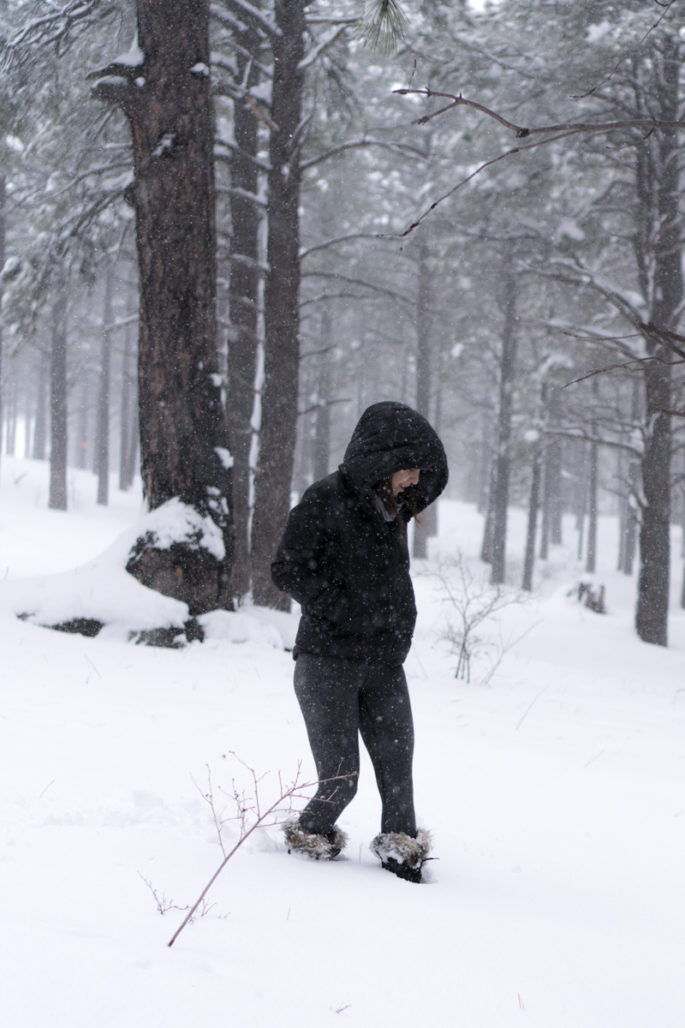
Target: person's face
402, 479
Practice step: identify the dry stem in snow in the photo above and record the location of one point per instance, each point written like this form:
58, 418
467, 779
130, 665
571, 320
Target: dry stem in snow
473, 603
250, 814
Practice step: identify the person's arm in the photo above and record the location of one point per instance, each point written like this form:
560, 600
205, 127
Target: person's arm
303, 566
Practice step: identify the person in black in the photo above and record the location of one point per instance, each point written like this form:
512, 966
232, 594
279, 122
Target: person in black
344, 559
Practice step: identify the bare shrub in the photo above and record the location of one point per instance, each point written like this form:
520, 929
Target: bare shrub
471, 603
247, 812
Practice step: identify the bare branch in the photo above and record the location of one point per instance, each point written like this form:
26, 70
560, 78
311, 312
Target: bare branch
325, 44
460, 101
334, 242
667, 5
248, 12
547, 133
641, 361
402, 148
50, 28
247, 807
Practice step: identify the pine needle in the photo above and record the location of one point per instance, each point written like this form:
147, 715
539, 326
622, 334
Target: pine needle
383, 26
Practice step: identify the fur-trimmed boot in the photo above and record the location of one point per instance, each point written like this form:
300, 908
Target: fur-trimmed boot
402, 854
318, 847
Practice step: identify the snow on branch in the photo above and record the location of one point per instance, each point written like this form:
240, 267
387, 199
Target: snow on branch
627, 304
50, 28
249, 13
323, 45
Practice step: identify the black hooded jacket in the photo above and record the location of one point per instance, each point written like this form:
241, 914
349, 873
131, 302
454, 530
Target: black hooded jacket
341, 560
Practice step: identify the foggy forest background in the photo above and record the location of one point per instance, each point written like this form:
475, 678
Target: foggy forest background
506, 257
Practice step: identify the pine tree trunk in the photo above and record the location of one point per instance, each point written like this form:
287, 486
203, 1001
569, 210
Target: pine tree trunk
629, 520
503, 456
630, 517
243, 300
486, 544
132, 455
423, 379
580, 495
184, 444
533, 507
102, 426
552, 505
125, 411
11, 417
58, 401
40, 426
592, 501
651, 616
82, 419
545, 526
281, 304
553, 478
322, 423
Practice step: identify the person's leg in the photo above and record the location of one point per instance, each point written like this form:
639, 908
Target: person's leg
387, 728
388, 732
327, 691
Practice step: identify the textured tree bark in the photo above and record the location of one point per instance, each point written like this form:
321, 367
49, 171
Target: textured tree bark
424, 376
533, 507
592, 505
125, 417
550, 530
83, 433
102, 414
651, 616
165, 95
58, 402
281, 304
322, 423
243, 301
630, 473
40, 427
500, 502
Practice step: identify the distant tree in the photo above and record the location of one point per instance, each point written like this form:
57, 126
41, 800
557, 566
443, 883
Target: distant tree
104, 393
502, 471
245, 40
424, 382
634, 103
533, 508
281, 300
58, 397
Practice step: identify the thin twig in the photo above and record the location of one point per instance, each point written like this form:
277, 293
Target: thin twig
548, 133
276, 813
530, 706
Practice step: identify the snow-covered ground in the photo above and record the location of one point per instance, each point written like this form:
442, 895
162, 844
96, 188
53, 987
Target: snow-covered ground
553, 784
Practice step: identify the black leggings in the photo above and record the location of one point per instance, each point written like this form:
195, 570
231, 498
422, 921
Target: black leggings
339, 699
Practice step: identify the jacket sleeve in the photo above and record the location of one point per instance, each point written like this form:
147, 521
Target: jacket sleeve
304, 563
